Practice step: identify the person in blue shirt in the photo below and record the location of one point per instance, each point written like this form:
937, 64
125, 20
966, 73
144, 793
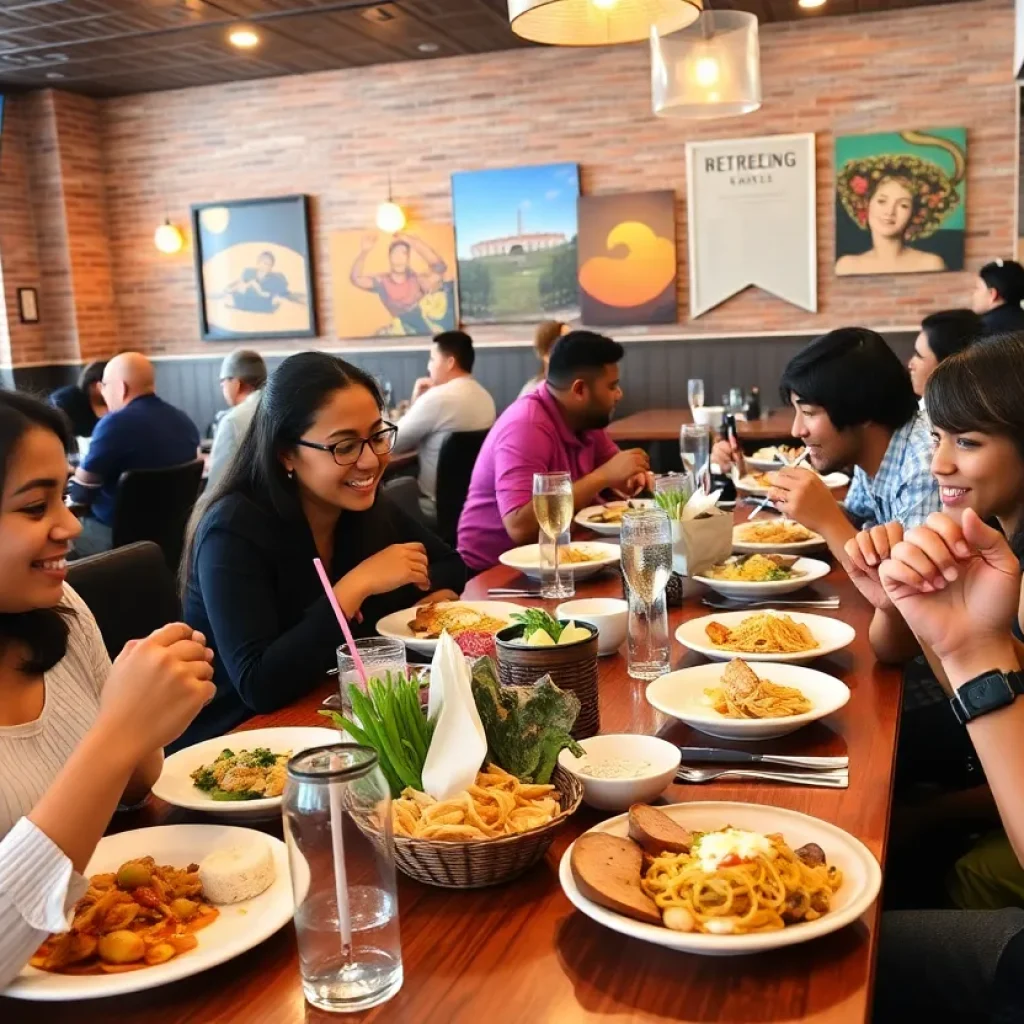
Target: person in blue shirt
141, 431
260, 289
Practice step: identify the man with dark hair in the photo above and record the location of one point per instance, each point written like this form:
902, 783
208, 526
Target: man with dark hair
855, 406
259, 289
83, 402
998, 292
943, 334
559, 427
448, 400
242, 376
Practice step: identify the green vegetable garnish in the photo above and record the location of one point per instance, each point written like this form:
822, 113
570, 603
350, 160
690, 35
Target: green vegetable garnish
534, 619
204, 779
672, 502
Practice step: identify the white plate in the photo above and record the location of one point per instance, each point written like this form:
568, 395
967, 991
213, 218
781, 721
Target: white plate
746, 547
175, 783
811, 568
396, 625
681, 695
832, 635
606, 529
833, 481
768, 464
862, 877
239, 927
527, 560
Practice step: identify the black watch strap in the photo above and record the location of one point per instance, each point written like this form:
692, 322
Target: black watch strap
988, 692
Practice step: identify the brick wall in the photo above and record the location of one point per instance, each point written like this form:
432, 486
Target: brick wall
336, 136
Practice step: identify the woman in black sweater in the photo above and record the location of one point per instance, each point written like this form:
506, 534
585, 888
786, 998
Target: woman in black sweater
303, 484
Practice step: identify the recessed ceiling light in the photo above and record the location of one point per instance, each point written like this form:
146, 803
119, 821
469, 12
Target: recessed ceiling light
54, 74
428, 47
808, 4
243, 38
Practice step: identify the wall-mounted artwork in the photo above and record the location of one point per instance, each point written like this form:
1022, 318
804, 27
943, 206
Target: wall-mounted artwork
901, 202
751, 212
515, 231
254, 269
394, 285
627, 259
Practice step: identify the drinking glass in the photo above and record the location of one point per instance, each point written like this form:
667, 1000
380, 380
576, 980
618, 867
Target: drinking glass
734, 401
379, 657
341, 855
695, 451
695, 393
646, 542
553, 506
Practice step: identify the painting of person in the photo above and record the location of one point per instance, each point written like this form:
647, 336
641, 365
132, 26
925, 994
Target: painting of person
900, 203
260, 289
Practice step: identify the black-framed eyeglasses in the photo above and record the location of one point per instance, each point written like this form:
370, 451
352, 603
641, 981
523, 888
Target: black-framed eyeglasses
349, 450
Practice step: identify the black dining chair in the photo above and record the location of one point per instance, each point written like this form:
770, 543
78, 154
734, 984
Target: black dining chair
455, 464
155, 504
130, 592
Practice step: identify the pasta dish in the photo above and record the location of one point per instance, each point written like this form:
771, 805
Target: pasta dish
573, 554
433, 619
732, 882
763, 633
744, 695
775, 531
755, 569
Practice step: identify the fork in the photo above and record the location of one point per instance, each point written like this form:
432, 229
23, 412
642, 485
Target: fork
838, 779
726, 604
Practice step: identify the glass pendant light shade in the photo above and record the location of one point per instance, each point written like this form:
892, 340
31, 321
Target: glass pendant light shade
710, 69
598, 22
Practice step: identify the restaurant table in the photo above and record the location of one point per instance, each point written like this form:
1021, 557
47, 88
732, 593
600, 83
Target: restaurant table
664, 425
519, 952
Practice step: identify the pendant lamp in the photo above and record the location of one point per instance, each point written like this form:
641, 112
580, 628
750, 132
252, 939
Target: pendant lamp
598, 22
710, 69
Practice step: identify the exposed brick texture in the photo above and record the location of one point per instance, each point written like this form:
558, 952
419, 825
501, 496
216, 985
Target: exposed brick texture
336, 135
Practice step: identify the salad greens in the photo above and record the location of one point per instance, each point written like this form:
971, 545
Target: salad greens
534, 619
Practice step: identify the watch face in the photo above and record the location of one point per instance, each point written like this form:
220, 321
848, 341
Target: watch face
987, 692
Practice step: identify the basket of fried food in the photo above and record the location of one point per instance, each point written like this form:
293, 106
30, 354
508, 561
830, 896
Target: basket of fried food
489, 834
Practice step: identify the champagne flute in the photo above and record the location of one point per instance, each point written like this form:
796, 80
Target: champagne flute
553, 507
646, 543
695, 393
695, 451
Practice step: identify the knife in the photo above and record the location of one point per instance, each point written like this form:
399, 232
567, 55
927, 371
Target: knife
512, 592
722, 756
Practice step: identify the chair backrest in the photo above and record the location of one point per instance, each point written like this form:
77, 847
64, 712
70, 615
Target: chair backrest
154, 504
455, 464
130, 590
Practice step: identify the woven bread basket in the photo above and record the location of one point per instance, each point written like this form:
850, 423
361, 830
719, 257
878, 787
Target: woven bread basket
474, 864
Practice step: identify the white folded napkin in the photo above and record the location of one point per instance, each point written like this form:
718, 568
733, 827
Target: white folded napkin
699, 503
459, 746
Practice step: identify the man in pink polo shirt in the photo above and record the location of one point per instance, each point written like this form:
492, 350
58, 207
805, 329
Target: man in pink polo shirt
559, 428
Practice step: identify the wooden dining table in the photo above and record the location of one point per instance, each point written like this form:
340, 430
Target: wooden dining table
519, 953
664, 425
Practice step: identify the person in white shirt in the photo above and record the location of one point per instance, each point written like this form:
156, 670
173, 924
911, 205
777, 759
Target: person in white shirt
78, 735
449, 400
242, 376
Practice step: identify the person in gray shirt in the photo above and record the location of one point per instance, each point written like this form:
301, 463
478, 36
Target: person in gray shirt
242, 376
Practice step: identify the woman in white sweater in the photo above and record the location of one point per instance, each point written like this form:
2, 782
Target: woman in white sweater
77, 735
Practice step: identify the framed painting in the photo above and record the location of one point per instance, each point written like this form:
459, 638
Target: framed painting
901, 202
254, 269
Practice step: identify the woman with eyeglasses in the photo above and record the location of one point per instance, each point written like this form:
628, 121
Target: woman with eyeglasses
303, 484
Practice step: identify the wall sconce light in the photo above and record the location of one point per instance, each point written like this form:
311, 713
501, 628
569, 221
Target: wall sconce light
390, 216
167, 238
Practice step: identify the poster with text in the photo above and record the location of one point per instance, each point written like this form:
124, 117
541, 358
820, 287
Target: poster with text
627, 259
750, 211
394, 285
901, 202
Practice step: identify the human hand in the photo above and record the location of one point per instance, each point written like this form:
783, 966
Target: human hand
802, 495
396, 566
637, 484
422, 384
957, 586
624, 467
864, 554
726, 453
367, 243
156, 687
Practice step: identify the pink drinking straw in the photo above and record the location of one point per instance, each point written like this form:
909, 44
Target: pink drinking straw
342, 621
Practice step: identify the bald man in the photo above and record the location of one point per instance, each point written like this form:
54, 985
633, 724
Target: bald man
141, 431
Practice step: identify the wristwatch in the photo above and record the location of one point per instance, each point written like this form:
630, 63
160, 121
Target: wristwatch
988, 692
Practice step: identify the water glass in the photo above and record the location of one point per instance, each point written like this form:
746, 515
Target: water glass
337, 824
695, 393
379, 656
695, 451
553, 507
646, 543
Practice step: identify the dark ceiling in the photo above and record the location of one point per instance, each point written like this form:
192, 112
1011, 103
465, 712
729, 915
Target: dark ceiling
117, 47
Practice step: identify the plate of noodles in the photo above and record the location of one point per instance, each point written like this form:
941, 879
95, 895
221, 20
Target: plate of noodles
760, 483
718, 878
794, 637
735, 701
775, 535
760, 576
580, 559
420, 628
